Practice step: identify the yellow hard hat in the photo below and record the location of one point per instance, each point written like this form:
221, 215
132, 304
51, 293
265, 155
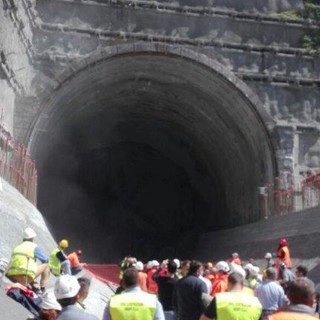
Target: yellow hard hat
64, 244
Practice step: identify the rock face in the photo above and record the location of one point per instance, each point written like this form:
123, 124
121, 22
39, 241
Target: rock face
16, 213
153, 121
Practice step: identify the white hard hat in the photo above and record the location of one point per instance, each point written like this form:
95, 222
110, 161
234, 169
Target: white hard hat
155, 263
139, 266
236, 268
149, 265
253, 271
222, 266
268, 255
66, 286
235, 255
177, 262
49, 301
29, 233
248, 266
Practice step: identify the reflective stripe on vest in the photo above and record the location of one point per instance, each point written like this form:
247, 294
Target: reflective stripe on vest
54, 262
237, 305
281, 315
133, 306
23, 261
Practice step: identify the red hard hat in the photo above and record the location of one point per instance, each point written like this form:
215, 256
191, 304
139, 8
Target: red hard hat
283, 242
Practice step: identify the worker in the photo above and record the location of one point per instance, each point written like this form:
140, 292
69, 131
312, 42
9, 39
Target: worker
269, 260
133, 303
220, 283
23, 267
187, 294
235, 259
58, 260
252, 274
233, 304
127, 262
151, 284
75, 264
285, 276
283, 254
184, 269
270, 294
166, 279
301, 294
301, 271
66, 290
142, 276
49, 307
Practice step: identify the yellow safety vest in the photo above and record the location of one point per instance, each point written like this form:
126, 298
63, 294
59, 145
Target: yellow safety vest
23, 261
237, 306
54, 263
133, 306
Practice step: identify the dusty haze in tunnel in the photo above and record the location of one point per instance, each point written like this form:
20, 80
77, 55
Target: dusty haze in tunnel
141, 153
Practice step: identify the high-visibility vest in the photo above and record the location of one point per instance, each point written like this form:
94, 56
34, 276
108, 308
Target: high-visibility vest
220, 284
54, 263
285, 315
286, 259
151, 284
23, 261
133, 306
237, 305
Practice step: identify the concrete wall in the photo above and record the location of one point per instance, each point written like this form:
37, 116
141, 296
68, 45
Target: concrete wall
265, 6
16, 73
16, 213
254, 240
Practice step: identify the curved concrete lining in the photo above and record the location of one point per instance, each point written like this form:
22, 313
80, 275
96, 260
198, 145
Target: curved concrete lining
143, 151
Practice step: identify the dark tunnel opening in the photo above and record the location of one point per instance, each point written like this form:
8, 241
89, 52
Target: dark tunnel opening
140, 154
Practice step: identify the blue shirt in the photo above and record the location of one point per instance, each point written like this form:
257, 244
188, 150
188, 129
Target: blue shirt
159, 315
271, 295
39, 254
74, 313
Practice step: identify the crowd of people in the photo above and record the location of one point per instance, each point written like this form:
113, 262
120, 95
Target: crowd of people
226, 290
29, 262
170, 290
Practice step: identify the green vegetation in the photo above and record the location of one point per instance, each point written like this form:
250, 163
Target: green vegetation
288, 14
311, 39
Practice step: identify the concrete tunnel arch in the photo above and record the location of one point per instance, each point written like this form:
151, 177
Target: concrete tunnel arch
143, 147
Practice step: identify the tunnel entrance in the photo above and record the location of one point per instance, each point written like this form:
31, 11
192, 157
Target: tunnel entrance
140, 153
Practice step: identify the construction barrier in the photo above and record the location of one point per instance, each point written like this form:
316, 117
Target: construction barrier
310, 190
17, 167
281, 197
107, 273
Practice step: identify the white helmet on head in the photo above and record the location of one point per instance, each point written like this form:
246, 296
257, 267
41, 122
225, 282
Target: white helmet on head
139, 266
268, 255
155, 263
177, 262
222, 266
236, 268
29, 233
49, 301
66, 286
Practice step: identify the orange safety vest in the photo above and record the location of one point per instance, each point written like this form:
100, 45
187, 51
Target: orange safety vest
151, 284
142, 280
74, 260
285, 315
220, 284
284, 251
